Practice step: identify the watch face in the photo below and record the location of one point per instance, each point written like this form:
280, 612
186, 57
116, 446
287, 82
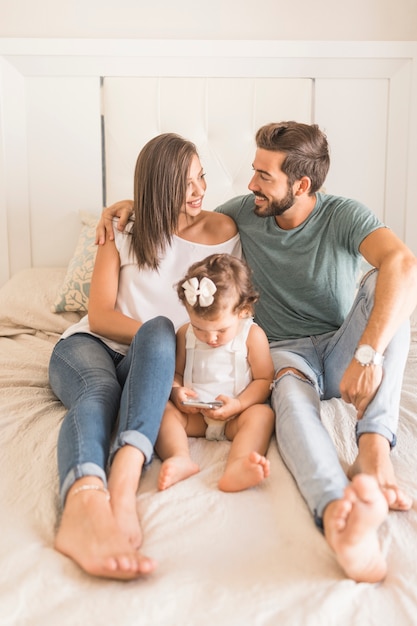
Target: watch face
365, 354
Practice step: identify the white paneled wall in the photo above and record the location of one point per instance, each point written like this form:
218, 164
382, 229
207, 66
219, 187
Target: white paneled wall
64, 152
220, 115
354, 114
216, 93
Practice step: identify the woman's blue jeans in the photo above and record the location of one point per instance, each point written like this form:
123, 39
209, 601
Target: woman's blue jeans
303, 440
112, 399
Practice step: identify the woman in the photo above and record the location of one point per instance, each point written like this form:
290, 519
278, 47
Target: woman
114, 369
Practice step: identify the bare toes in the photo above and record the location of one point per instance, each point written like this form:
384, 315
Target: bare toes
397, 499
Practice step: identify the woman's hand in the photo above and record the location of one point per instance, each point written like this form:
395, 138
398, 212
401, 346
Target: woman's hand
104, 229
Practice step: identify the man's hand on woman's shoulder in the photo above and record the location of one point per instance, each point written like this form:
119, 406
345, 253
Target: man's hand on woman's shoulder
123, 210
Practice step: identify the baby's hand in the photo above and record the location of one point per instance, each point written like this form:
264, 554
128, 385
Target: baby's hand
231, 406
180, 395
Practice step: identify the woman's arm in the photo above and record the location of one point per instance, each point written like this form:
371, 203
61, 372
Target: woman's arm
103, 318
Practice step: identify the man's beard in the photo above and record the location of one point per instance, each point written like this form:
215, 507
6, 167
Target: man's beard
275, 207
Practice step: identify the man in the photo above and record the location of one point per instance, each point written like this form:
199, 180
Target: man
305, 249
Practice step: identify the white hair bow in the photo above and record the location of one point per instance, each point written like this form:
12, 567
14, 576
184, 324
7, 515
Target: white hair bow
203, 291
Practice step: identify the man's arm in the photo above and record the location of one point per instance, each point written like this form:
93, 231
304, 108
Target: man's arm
395, 300
396, 287
104, 229
124, 209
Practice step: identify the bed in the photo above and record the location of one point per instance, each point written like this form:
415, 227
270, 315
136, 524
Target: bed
250, 558
245, 559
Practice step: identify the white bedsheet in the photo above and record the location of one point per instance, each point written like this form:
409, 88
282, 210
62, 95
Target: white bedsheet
247, 559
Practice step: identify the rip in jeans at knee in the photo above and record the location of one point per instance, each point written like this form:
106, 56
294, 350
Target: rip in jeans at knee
290, 371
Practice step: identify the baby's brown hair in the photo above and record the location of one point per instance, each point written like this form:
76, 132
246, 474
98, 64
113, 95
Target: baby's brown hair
233, 281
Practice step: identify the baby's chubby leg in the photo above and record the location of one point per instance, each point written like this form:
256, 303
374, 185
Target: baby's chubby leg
250, 433
172, 445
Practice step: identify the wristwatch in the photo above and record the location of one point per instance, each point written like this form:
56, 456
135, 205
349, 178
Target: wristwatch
366, 355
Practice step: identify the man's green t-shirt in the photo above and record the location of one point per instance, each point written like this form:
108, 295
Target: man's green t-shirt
306, 276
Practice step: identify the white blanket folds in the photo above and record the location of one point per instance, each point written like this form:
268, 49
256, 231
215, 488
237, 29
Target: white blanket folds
247, 559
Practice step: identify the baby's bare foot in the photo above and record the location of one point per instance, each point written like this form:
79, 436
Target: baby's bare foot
245, 472
351, 529
90, 535
174, 469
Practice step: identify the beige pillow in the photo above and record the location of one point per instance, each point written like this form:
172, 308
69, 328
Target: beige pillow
75, 290
26, 299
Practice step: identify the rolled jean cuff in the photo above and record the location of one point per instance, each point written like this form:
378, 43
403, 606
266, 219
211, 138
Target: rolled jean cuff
376, 429
135, 439
327, 498
80, 471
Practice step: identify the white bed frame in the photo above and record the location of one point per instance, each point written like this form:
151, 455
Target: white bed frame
217, 93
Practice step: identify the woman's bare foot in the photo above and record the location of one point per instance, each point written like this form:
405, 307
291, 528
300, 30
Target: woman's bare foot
123, 484
126, 518
245, 472
351, 529
90, 535
174, 469
374, 459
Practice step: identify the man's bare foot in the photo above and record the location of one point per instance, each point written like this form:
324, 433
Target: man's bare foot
243, 473
374, 459
351, 529
174, 469
89, 534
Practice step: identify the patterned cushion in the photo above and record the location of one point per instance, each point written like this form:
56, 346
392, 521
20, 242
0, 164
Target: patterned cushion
75, 290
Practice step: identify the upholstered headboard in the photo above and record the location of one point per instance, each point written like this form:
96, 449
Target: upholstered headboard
74, 115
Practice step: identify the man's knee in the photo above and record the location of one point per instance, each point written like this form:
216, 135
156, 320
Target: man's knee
290, 370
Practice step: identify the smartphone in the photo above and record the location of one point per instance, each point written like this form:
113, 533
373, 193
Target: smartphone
213, 404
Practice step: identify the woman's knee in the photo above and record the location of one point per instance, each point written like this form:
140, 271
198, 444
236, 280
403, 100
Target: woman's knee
157, 337
160, 325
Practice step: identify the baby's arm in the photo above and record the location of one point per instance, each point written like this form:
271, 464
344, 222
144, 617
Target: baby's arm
258, 390
262, 367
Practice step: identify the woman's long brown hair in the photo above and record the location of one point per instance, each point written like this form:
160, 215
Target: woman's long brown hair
160, 187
